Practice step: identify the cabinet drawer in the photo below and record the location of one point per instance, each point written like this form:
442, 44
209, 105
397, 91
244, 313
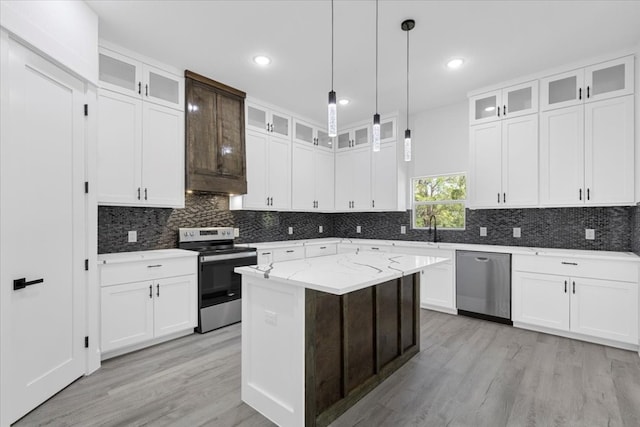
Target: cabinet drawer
127, 272
577, 267
375, 248
320, 250
288, 254
412, 250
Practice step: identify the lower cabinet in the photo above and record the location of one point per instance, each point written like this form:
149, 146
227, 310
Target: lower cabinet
591, 306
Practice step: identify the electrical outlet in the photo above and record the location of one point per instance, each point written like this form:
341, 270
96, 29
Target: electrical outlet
483, 231
236, 232
589, 234
320, 229
516, 231
290, 230
132, 237
403, 229
358, 229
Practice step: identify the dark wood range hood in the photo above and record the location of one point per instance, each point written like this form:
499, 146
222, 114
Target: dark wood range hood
215, 142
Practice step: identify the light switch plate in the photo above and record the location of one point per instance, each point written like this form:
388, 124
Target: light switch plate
236, 232
589, 234
290, 230
132, 237
358, 229
516, 231
403, 229
483, 231
320, 229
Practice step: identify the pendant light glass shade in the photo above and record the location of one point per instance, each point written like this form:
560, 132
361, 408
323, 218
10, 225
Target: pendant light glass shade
332, 127
376, 132
407, 145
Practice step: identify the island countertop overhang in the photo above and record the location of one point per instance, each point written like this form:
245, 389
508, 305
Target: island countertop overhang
342, 273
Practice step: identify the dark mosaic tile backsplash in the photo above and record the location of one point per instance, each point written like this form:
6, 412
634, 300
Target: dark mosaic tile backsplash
617, 228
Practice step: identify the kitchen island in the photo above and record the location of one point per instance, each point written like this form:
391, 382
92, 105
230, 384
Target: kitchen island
320, 333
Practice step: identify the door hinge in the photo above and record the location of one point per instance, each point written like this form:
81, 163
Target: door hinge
86, 265
86, 187
86, 342
86, 109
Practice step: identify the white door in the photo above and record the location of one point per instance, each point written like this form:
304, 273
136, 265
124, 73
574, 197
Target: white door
343, 181
163, 156
42, 203
384, 179
541, 300
257, 149
562, 157
279, 171
609, 151
520, 100
609, 79
324, 178
175, 302
302, 177
605, 309
361, 178
485, 165
485, 108
126, 314
562, 90
436, 286
120, 73
119, 149
520, 161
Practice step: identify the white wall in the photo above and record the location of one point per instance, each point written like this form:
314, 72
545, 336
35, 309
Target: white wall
637, 127
440, 138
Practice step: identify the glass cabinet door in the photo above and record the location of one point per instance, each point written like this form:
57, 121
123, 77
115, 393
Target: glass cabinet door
324, 141
344, 140
485, 108
388, 130
280, 124
163, 88
361, 136
520, 100
303, 132
257, 118
119, 73
562, 90
609, 79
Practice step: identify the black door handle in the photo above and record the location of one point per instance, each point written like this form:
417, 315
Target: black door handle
22, 283
139, 88
150, 291
146, 90
580, 93
588, 95
565, 286
158, 290
145, 194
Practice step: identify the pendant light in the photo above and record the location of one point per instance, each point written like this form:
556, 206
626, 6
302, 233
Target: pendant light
332, 125
376, 116
407, 26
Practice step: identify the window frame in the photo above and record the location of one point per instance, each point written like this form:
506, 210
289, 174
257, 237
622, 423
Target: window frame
414, 203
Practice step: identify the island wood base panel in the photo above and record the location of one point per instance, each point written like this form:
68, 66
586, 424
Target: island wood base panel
355, 341
308, 356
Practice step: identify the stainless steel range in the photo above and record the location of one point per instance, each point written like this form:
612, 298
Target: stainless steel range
219, 288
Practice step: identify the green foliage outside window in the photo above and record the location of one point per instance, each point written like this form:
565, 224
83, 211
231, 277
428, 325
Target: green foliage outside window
443, 196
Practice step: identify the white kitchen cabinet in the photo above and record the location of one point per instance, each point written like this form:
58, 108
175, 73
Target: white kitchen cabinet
503, 165
266, 120
513, 101
357, 136
592, 299
353, 180
586, 154
265, 256
388, 130
384, 178
316, 250
600, 81
308, 134
140, 152
288, 253
129, 75
437, 283
268, 172
146, 298
312, 180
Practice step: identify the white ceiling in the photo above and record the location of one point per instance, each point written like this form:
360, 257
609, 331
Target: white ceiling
500, 40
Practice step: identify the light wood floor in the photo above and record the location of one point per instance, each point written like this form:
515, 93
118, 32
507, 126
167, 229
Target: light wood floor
469, 373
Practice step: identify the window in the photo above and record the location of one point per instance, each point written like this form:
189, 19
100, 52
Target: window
443, 196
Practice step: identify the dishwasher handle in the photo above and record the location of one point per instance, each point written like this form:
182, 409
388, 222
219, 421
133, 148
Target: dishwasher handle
482, 259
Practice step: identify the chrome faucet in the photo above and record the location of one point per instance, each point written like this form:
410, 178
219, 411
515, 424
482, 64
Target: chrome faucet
435, 228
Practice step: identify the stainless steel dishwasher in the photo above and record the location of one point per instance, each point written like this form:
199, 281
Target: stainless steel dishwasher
483, 285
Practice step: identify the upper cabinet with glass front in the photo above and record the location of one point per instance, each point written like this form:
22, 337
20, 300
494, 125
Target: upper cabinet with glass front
357, 136
130, 76
513, 101
267, 121
601, 81
306, 133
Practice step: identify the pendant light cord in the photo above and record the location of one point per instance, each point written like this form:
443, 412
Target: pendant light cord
376, 56
407, 79
332, 45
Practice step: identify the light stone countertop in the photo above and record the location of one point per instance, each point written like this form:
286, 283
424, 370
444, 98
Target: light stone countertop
342, 273
144, 255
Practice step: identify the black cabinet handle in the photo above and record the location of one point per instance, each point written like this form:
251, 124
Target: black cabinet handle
323, 247
270, 201
580, 93
580, 193
574, 287
154, 266
569, 263
139, 88
588, 95
588, 194
498, 197
150, 291
290, 251
138, 193
267, 127
271, 126
145, 194
158, 289
504, 197
22, 283
504, 110
266, 253
374, 248
498, 111
146, 90
373, 203
565, 286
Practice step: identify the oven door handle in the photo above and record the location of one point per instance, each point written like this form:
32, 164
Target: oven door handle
212, 258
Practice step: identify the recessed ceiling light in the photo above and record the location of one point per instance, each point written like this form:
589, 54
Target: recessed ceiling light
455, 63
262, 60
343, 101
